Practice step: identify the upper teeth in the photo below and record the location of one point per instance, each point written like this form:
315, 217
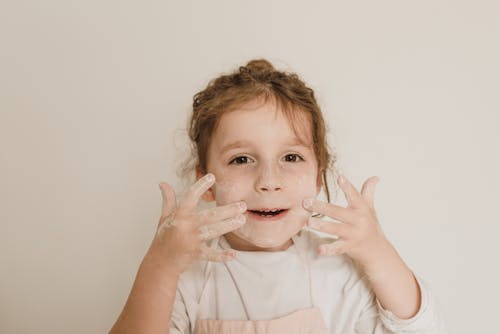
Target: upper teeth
275, 210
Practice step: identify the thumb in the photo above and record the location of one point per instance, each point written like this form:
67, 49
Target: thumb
169, 201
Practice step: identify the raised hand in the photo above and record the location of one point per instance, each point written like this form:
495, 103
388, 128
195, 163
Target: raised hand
358, 227
182, 230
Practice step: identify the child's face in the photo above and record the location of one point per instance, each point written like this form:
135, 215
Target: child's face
256, 157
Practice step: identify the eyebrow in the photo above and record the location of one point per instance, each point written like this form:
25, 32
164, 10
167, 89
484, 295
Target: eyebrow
235, 144
240, 143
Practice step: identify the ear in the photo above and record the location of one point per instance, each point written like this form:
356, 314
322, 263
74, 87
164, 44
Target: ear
209, 195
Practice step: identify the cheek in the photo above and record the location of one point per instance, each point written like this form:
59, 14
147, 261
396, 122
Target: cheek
228, 190
303, 184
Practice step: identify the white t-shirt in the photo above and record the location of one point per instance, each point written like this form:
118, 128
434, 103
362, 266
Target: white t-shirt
268, 285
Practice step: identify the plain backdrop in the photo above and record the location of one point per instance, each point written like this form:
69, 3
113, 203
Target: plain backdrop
94, 97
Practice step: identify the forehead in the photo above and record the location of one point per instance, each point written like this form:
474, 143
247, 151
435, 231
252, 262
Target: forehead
263, 123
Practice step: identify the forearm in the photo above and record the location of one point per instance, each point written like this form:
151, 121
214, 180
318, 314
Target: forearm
149, 306
392, 281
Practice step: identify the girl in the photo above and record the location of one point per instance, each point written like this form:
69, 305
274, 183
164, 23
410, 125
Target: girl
260, 261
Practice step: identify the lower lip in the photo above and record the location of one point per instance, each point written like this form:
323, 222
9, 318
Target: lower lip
269, 218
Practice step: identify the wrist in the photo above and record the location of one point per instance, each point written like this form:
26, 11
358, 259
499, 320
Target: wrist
382, 263
376, 256
155, 260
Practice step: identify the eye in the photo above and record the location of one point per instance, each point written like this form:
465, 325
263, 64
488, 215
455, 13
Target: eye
239, 160
293, 158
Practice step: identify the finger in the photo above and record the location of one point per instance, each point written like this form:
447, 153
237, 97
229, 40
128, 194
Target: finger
214, 215
351, 194
195, 191
368, 190
217, 255
338, 229
335, 248
169, 201
328, 209
211, 231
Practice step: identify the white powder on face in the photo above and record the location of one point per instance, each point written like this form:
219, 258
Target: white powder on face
225, 191
270, 233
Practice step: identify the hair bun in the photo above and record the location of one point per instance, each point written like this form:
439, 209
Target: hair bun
258, 66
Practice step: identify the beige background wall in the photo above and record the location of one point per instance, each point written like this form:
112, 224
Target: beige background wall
93, 93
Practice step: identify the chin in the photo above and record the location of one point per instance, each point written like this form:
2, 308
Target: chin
265, 240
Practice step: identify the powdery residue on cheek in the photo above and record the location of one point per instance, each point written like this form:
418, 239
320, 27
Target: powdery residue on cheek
302, 180
272, 234
303, 185
227, 191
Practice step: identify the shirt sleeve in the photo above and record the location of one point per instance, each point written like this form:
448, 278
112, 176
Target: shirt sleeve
428, 320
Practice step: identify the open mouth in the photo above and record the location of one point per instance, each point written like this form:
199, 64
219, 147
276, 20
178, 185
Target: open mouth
268, 214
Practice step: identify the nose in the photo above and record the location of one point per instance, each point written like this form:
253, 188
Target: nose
268, 179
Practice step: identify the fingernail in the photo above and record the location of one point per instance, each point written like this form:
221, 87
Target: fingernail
341, 179
307, 202
209, 177
242, 206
